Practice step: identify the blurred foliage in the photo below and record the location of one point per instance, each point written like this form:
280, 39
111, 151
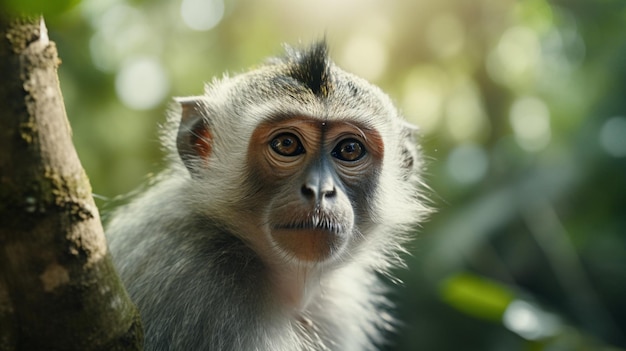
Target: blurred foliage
36, 7
523, 120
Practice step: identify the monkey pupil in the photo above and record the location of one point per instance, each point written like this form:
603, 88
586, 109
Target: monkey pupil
350, 151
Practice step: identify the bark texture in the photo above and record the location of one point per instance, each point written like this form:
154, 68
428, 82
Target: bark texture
58, 288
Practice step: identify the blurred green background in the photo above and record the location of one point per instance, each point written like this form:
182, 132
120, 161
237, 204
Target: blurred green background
522, 113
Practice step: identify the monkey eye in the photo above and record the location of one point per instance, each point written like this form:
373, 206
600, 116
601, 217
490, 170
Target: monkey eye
349, 150
287, 144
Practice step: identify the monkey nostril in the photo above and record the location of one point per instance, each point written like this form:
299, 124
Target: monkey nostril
307, 191
330, 193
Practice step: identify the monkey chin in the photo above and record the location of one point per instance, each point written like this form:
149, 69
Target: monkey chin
312, 244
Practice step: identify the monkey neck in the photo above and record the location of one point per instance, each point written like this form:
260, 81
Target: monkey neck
293, 284
296, 285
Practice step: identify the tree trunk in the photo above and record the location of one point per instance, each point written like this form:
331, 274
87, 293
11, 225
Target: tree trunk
58, 287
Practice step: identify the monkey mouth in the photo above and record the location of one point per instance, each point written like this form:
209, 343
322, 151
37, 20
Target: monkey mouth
314, 239
314, 224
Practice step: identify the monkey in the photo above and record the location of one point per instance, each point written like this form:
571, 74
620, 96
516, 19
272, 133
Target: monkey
290, 192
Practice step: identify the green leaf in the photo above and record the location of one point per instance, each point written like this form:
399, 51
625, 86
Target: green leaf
476, 296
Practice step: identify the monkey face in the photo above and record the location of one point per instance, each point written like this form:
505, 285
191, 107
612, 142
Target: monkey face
289, 158
315, 174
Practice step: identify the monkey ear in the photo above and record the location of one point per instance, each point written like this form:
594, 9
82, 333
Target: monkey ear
194, 139
409, 153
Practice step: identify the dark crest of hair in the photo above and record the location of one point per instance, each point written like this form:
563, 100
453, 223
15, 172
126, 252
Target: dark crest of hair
311, 67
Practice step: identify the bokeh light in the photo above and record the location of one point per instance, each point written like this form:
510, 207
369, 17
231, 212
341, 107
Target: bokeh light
514, 59
423, 97
467, 163
365, 56
142, 83
465, 116
202, 14
529, 321
613, 136
445, 35
530, 120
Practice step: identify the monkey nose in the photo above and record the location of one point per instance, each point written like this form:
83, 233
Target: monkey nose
318, 193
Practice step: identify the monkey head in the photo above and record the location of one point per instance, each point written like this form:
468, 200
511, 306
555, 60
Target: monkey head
301, 160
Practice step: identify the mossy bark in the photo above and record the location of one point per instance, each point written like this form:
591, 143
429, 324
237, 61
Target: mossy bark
58, 287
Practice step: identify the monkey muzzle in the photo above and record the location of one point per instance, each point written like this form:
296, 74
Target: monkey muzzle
316, 239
